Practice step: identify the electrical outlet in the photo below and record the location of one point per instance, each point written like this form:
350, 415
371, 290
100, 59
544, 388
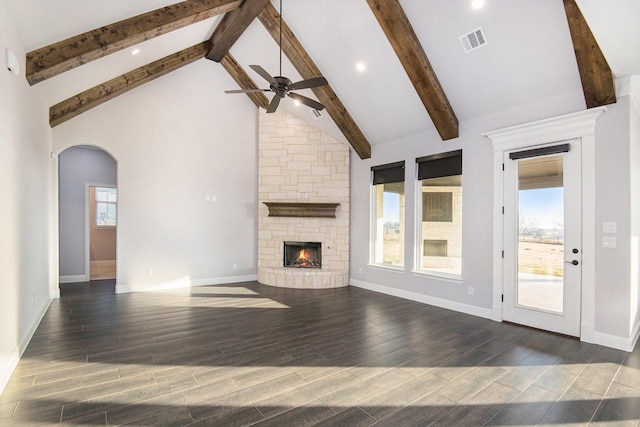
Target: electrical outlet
149, 271
470, 290
235, 266
360, 270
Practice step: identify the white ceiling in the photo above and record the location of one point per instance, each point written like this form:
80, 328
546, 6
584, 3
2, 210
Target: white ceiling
528, 58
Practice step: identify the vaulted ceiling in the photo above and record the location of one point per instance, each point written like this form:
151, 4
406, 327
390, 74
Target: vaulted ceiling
416, 74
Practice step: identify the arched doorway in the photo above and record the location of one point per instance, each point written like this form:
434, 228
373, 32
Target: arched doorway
87, 215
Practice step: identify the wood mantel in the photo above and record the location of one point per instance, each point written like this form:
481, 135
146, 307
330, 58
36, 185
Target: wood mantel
295, 209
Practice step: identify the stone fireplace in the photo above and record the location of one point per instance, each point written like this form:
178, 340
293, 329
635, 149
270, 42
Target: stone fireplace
303, 191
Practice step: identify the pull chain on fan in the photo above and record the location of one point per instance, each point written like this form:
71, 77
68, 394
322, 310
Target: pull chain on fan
282, 86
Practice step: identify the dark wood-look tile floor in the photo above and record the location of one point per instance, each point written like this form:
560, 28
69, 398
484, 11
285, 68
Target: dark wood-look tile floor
248, 354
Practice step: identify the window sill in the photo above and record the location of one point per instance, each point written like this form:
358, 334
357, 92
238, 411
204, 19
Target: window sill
441, 276
384, 267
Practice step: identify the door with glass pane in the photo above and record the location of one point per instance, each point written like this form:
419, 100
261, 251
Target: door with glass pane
102, 232
542, 258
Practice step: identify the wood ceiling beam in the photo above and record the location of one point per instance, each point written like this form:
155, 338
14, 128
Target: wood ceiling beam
57, 58
300, 59
232, 26
595, 74
102, 93
413, 58
244, 81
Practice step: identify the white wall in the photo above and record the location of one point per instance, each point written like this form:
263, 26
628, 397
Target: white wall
78, 166
24, 207
613, 205
177, 140
477, 215
634, 116
617, 173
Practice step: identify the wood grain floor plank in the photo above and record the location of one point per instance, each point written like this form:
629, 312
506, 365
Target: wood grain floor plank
247, 354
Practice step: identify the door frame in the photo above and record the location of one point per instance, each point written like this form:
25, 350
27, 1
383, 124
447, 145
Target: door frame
54, 235
580, 126
568, 320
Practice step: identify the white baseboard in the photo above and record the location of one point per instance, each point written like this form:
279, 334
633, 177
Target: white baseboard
183, 283
74, 279
614, 341
8, 365
620, 343
485, 313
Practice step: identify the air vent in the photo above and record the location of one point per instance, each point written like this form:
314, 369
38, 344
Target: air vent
315, 113
473, 40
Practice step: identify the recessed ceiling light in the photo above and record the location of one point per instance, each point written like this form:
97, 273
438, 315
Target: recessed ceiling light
135, 51
360, 66
477, 4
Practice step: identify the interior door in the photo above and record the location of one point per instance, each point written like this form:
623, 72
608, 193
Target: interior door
542, 219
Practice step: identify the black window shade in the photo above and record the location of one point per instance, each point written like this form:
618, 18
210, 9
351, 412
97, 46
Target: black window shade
385, 174
439, 165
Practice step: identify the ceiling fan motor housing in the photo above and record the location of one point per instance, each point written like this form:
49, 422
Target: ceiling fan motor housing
281, 86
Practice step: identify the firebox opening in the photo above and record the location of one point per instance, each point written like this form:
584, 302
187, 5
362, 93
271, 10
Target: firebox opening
303, 254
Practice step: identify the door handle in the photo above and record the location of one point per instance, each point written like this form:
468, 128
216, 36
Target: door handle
574, 262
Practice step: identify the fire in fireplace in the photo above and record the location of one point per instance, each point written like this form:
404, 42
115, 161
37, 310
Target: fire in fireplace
303, 254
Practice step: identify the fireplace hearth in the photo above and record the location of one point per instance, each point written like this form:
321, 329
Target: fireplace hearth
302, 255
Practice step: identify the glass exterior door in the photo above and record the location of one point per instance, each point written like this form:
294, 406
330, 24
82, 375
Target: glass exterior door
542, 238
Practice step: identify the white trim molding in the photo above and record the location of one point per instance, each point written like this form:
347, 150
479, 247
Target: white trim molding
9, 362
425, 299
74, 279
582, 126
617, 342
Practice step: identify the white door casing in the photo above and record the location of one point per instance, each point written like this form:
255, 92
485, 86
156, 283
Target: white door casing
581, 126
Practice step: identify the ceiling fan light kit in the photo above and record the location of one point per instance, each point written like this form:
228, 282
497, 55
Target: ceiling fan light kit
282, 86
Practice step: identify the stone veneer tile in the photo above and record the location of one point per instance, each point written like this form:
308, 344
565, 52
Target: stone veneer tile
297, 162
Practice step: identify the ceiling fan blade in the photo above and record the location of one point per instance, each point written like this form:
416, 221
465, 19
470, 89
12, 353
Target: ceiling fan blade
273, 105
309, 83
247, 90
306, 101
263, 73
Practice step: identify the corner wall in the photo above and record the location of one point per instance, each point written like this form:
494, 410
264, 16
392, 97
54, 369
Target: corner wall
299, 163
187, 178
25, 140
634, 137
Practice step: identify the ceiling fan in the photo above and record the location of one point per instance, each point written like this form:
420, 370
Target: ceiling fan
282, 86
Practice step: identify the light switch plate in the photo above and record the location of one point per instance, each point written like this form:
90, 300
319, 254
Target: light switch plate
609, 242
609, 227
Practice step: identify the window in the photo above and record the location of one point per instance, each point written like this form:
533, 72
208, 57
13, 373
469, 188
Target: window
388, 214
439, 227
106, 199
